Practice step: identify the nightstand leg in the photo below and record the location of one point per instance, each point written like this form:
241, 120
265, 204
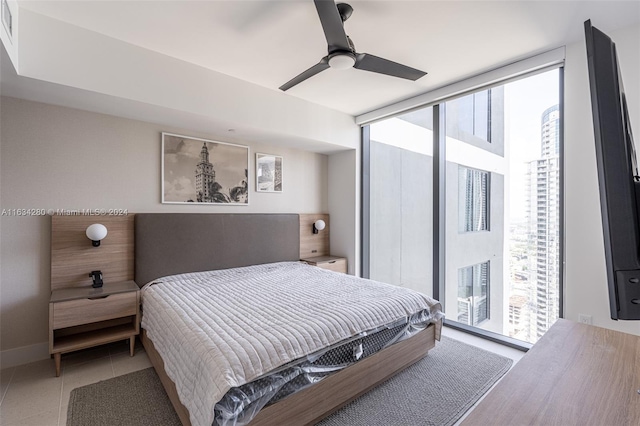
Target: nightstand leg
132, 344
57, 356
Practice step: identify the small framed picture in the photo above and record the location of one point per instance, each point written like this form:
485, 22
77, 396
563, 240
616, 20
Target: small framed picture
268, 173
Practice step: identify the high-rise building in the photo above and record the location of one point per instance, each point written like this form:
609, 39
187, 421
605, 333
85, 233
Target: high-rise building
543, 209
205, 176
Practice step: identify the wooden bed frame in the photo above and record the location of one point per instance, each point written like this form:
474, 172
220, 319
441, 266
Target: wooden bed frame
219, 247
310, 405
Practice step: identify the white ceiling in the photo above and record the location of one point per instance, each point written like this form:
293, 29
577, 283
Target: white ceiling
268, 42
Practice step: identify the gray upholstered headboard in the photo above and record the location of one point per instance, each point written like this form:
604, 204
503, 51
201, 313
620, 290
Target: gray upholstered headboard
175, 243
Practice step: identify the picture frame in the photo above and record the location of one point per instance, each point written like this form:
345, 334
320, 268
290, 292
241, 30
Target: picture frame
202, 171
268, 173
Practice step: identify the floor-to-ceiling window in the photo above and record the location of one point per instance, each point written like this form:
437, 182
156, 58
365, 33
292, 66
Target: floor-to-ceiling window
500, 206
534, 210
474, 248
400, 200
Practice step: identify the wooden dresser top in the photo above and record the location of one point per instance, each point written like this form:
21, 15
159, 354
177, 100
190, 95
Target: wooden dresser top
576, 374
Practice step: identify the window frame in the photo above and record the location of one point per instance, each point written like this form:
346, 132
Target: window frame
523, 69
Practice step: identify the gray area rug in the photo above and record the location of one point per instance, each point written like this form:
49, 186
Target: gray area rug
133, 399
437, 390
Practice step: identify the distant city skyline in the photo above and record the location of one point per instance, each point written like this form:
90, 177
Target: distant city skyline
527, 99
543, 208
534, 265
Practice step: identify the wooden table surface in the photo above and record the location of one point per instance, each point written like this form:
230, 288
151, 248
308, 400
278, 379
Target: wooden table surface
576, 374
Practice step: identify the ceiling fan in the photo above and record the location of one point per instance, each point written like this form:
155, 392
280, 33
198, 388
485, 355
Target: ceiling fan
342, 52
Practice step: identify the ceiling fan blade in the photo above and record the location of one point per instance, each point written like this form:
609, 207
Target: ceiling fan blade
367, 62
320, 66
332, 25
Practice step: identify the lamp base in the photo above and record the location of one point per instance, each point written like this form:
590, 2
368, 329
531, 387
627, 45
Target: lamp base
96, 277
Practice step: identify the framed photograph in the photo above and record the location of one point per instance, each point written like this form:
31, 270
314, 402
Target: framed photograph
201, 171
268, 173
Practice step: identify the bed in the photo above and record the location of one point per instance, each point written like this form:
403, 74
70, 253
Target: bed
240, 325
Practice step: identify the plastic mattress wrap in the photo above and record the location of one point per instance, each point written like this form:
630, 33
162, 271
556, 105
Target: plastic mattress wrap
241, 404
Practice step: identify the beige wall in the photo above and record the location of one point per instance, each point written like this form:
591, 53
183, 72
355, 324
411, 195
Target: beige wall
60, 158
344, 207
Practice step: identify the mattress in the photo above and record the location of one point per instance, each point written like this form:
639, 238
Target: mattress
219, 330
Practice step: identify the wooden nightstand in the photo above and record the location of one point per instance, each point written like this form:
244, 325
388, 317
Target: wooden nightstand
83, 317
332, 263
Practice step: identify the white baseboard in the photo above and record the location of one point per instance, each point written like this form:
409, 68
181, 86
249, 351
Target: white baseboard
24, 355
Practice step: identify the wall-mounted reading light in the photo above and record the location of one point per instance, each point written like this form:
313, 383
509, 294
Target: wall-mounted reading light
95, 233
318, 225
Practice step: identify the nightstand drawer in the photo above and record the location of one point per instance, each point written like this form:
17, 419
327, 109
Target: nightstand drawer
332, 263
338, 265
83, 311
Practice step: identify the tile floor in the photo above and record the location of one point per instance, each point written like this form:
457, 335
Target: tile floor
31, 394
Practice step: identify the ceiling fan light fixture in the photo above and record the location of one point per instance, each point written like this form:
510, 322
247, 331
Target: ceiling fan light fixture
342, 61
342, 52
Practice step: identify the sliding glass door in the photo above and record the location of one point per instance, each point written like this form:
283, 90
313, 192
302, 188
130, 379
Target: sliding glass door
501, 206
